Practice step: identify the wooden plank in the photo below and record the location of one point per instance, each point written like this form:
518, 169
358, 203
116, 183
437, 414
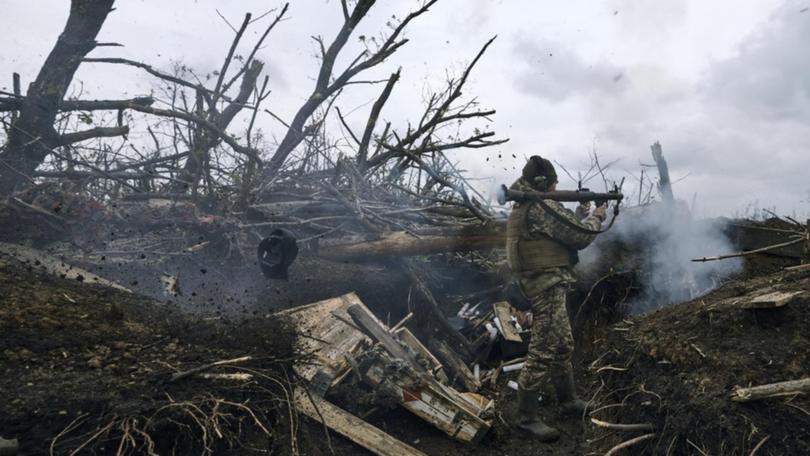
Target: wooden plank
503, 312
362, 317
360, 432
326, 336
772, 300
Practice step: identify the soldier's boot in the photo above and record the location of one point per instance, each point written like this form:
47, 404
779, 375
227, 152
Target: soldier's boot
528, 419
570, 403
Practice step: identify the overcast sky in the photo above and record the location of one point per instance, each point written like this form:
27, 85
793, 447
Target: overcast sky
723, 85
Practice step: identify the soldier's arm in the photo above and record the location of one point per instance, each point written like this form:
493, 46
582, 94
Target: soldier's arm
563, 232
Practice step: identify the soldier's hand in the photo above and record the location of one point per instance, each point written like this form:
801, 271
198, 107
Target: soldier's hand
583, 210
600, 212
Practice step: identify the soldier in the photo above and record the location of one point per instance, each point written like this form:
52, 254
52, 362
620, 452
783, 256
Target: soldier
541, 248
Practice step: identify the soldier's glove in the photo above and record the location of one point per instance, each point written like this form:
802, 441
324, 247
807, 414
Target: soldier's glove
600, 213
583, 209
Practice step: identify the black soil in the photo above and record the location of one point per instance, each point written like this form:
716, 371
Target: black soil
86, 366
676, 368
79, 360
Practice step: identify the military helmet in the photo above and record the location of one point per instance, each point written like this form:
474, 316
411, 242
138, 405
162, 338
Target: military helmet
539, 173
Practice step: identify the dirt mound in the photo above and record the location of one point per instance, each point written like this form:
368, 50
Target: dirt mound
675, 369
90, 367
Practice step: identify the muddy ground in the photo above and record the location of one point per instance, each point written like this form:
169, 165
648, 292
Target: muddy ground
88, 368
675, 368
84, 366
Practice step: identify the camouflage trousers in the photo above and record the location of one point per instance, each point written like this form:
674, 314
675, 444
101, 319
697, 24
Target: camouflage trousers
552, 343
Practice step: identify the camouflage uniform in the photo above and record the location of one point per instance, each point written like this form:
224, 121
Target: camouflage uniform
545, 279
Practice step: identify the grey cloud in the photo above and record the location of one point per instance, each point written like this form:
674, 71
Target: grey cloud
553, 72
769, 76
649, 19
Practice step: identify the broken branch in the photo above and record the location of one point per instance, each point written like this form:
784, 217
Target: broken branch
750, 252
224, 362
628, 444
770, 390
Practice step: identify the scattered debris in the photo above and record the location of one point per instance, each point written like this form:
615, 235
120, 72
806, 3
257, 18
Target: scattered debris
344, 336
171, 284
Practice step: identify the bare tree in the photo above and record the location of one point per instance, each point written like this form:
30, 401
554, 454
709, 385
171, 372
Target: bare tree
32, 135
328, 84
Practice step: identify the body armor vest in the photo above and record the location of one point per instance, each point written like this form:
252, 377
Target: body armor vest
526, 252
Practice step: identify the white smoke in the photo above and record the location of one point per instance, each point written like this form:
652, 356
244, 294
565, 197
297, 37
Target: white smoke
659, 241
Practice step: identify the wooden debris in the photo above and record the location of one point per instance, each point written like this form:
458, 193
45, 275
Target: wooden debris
340, 346
756, 393
171, 284
329, 338
493, 380
456, 414
360, 432
436, 368
503, 312
362, 317
772, 300
401, 323
456, 368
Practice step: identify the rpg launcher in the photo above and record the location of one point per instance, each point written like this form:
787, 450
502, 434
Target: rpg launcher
506, 194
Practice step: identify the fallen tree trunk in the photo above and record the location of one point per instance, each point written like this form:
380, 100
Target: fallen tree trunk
756, 393
400, 243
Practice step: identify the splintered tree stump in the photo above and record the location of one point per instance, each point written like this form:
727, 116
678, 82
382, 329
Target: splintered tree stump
756, 393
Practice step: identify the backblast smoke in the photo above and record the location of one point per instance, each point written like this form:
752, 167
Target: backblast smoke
657, 243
